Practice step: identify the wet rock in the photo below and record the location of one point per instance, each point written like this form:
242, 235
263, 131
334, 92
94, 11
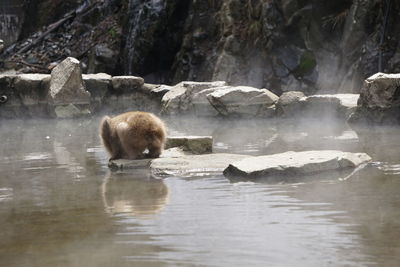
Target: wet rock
341, 105
193, 144
179, 98
156, 89
66, 84
98, 85
178, 162
201, 105
289, 103
379, 100
193, 165
243, 101
126, 164
32, 89
123, 84
10, 103
293, 164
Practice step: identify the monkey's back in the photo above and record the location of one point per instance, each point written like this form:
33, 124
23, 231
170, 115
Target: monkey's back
139, 128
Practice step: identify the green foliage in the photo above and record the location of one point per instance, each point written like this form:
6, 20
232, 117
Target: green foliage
307, 64
113, 33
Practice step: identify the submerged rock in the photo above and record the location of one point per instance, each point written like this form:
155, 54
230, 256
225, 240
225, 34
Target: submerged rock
293, 164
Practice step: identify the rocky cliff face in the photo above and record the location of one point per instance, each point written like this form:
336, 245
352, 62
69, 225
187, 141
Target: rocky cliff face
282, 45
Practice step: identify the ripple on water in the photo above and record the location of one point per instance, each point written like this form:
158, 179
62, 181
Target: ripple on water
388, 168
6, 194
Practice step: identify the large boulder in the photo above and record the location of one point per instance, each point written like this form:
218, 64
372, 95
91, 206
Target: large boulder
379, 100
243, 101
179, 98
289, 103
66, 84
290, 165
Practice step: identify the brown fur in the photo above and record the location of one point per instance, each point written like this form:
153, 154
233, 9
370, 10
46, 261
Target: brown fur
129, 134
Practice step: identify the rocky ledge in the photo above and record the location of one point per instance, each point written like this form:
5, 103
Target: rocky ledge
288, 166
68, 93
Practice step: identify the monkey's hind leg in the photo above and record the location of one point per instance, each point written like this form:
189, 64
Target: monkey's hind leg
110, 140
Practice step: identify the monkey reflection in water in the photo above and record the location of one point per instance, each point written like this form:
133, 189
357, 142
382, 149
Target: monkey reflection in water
129, 134
138, 197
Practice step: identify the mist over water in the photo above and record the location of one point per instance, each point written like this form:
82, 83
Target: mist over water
61, 206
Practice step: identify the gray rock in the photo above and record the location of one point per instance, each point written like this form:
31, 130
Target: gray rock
10, 102
330, 104
292, 164
201, 105
348, 101
32, 89
66, 84
289, 103
175, 161
379, 100
104, 54
193, 144
179, 98
126, 164
98, 85
242, 101
155, 90
123, 84
193, 165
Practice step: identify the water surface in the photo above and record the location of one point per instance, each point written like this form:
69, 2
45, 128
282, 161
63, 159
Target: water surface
60, 205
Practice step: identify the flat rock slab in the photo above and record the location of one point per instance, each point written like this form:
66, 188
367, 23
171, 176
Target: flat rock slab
295, 164
177, 162
193, 165
193, 144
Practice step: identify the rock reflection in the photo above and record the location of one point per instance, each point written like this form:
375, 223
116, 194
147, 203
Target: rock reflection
135, 194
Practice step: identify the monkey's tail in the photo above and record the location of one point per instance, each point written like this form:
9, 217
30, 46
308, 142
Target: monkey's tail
105, 132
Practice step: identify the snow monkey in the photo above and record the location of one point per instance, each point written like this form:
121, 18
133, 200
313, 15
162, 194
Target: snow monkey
129, 134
